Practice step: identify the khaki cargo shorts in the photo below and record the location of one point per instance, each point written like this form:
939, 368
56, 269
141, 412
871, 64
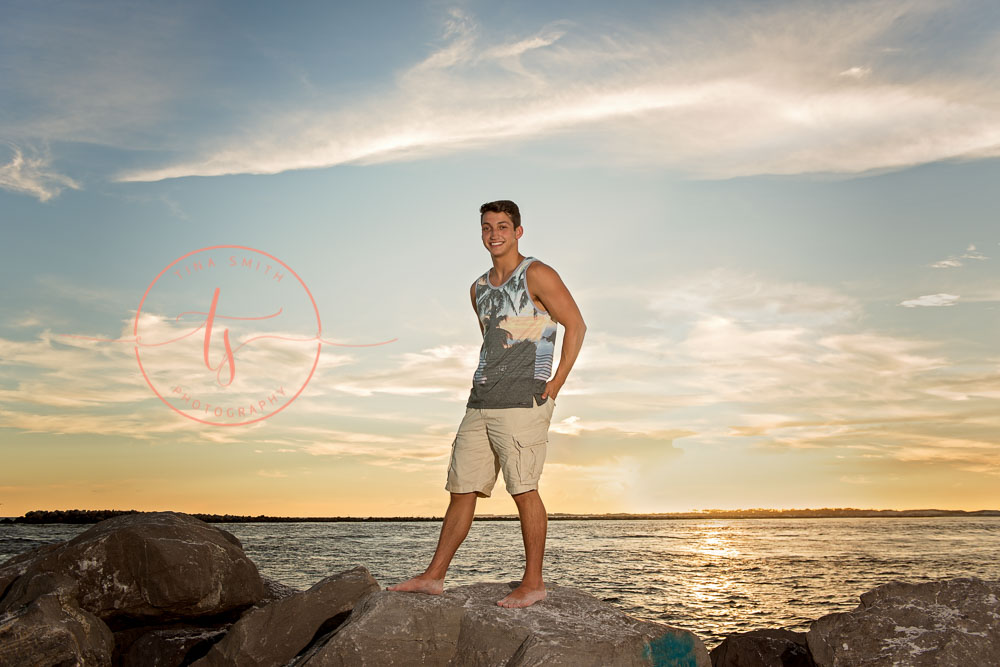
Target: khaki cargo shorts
488, 440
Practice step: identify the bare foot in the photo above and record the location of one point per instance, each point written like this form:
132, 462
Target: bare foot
523, 596
420, 584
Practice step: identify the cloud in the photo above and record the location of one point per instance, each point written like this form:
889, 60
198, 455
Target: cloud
723, 356
33, 175
716, 358
775, 91
70, 373
955, 261
722, 292
949, 263
931, 300
972, 253
25, 321
588, 446
411, 451
857, 72
75, 386
441, 371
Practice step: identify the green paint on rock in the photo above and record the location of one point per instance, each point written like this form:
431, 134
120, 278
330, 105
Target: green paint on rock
671, 650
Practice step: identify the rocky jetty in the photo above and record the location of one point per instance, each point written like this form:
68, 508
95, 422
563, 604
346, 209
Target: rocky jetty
168, 590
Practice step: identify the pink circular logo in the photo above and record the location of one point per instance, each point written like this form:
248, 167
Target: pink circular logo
227, 335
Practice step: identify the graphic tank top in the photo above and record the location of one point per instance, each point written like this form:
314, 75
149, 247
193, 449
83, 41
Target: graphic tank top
519, 340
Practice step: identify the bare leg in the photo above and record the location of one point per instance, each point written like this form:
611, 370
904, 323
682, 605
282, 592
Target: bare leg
457, 521
534, 522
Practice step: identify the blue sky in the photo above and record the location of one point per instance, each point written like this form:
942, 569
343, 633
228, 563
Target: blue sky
778, 219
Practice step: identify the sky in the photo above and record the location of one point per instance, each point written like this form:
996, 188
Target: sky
779, 220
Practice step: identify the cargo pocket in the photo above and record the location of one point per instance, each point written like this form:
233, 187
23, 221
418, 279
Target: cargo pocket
530, 457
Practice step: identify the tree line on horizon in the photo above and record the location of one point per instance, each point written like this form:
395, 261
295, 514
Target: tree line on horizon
78, 516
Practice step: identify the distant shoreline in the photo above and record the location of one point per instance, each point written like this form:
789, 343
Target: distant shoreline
93, 516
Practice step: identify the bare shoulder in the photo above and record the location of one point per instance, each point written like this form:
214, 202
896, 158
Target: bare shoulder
542, 276
549, 290
541, 270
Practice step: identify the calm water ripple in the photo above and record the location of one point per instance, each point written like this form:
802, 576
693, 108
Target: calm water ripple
711, 577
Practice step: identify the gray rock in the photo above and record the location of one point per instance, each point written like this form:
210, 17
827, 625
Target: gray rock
763, 648
142, 568
954, 622
388, 626
276, 633
51, 630
464, 626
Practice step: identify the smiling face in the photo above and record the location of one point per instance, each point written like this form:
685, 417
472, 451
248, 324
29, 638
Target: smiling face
499, 234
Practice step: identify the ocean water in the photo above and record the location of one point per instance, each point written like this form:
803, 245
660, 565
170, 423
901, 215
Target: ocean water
713, 577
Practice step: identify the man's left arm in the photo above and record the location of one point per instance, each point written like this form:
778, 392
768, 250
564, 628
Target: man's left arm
545, 284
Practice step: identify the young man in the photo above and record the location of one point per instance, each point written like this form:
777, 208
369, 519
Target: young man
518, 302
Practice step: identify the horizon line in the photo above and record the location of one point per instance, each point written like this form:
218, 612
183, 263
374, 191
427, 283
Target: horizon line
52, 516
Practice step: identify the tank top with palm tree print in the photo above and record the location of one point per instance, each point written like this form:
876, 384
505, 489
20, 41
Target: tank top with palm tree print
519, 340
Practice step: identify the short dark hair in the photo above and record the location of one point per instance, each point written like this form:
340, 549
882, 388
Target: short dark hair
502, 206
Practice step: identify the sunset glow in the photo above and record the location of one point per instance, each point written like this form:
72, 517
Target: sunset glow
778, 220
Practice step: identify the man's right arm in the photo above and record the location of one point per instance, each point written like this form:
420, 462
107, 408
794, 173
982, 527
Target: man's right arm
475, 309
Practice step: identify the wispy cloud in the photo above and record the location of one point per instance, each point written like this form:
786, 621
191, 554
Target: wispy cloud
719, 357
857, 72
593, 446
931, 301
441, 371
954, 261
32, 174
736, 356
756, 92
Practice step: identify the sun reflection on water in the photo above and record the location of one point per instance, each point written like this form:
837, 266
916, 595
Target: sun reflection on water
714, 540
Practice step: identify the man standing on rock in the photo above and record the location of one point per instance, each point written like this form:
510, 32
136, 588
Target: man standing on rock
518, 302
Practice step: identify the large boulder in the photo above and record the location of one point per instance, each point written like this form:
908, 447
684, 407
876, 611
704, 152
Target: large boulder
763, 648
465, 626
954, 622
276, 633
142, 568
53, 630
